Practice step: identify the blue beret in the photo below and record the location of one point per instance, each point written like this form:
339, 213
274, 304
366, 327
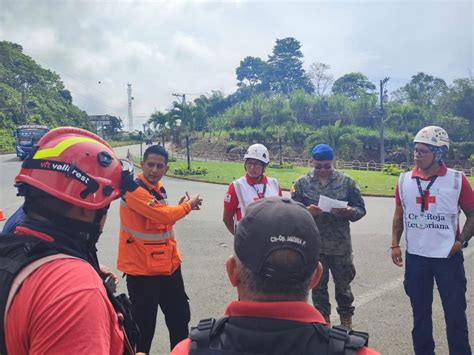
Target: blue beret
322, 152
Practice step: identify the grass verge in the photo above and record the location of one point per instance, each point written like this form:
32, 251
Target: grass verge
116, 144
224, 172
371, 183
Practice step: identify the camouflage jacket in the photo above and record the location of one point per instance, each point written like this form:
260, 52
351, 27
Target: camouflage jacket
335, 231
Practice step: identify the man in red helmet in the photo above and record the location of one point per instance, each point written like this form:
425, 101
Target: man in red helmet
62, 306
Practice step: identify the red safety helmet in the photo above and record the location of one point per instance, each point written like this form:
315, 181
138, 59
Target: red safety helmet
74, 165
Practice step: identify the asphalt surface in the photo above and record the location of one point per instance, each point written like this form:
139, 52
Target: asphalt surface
382, 308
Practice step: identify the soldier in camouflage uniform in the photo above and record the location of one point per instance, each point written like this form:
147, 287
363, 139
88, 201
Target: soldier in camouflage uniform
336, 247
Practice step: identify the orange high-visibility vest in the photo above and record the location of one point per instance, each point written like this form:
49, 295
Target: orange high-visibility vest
147, 245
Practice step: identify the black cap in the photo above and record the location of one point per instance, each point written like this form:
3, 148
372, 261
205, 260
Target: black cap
276, 223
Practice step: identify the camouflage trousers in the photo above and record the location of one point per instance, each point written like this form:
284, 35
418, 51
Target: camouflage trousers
343, 272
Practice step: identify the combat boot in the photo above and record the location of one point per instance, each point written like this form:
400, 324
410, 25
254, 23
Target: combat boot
346, 320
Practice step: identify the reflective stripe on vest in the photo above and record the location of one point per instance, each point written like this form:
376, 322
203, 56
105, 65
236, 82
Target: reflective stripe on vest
123, 203
147, 236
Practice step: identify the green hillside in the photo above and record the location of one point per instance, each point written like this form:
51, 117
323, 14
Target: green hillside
30, 94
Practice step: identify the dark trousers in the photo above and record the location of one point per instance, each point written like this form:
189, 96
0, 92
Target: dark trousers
420, 273
146, 293
343, 272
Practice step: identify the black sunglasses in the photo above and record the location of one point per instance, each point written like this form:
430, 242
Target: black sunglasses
325, 166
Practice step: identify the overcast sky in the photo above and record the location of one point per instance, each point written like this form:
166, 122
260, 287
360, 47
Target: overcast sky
193, 47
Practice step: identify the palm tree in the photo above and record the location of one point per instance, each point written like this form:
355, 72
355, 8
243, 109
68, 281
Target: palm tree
334, 135
186, 113
160, 122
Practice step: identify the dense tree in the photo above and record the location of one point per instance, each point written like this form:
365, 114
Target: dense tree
353, 86
302, 105
185, 112
321, 79
286, 73
10, 103
114, 126
405, 117
459, 100
277, 113
339, 108
341, 138
251, 72
458, 128
159, 119
66, 95
364, 112
218, 103
208, 106
32, 94
423, 90
199, 113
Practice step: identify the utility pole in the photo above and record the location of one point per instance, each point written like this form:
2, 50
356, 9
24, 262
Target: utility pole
140, 133
383, 96
183, 97
24, 112
130, 114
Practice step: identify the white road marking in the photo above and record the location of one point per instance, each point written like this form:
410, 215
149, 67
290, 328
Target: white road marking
383, 289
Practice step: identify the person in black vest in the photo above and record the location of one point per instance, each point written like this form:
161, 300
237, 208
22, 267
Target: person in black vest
53, 299
276, 263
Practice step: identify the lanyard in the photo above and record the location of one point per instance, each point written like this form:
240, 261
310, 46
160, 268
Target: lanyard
426, 192
260, 194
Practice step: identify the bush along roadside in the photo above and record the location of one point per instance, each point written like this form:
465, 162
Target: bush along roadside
392, 169
196, 171
281, 166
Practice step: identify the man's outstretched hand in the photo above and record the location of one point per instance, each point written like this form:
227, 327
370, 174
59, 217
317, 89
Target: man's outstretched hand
194, 201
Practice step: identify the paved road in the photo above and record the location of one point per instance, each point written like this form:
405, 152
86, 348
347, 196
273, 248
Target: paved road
382, 306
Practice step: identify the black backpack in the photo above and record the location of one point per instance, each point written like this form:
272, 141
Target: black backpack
207, 338
26, 253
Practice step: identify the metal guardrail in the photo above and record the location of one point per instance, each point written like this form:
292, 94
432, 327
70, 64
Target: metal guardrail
374, 166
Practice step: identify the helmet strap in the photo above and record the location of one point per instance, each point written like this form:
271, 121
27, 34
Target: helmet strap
87, 231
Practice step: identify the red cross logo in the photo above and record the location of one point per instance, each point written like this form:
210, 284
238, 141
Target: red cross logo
428, 199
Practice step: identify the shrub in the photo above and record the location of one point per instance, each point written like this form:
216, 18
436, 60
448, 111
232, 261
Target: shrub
7, 141
196, 171
281, 166
462, 150
392, 169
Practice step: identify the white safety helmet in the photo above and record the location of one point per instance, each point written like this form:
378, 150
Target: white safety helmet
433, 135
258, 152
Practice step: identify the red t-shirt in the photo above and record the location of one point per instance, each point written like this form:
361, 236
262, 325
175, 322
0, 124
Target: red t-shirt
62, 308
466, 197
296, 311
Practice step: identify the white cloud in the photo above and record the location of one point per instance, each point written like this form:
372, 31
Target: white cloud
186, 45
194, 46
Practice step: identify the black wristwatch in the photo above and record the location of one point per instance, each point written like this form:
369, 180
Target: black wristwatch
464, 243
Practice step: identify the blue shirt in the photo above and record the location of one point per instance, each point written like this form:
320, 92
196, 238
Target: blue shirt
14, 220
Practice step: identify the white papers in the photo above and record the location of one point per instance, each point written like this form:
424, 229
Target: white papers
327, 204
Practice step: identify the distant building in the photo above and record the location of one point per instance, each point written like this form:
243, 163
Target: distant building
99, 120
